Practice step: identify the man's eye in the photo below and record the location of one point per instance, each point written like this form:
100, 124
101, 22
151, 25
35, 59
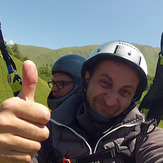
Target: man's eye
105, 84
126, 93
60, 83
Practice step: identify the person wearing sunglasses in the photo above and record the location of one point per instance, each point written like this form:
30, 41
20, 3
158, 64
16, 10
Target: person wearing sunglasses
66, 79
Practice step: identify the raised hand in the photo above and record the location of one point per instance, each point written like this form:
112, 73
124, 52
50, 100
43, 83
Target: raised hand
22, 121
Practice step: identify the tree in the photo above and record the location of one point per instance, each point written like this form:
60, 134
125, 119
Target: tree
16, 52
9, 50
45, 73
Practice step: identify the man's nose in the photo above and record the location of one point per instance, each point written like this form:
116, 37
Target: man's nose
111, 97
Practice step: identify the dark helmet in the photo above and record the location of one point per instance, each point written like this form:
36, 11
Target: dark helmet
123, 52
70, 65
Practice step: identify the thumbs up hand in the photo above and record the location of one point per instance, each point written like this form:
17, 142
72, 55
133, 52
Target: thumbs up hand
30, 77
23, 121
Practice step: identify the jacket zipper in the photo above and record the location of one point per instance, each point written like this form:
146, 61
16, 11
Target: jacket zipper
113, 130
72, 130
91, 151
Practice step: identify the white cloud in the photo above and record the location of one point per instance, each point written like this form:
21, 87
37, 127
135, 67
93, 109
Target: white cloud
11, 42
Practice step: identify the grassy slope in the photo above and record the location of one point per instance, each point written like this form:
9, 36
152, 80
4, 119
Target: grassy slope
33, 51
42, 89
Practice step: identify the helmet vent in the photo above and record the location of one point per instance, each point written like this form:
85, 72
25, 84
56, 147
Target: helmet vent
116, 48
129, 53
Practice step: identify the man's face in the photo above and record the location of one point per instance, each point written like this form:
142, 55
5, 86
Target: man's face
111, 88
62, 79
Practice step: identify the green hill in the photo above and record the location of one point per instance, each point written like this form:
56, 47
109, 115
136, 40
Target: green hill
42, 89
44, 56
33, 51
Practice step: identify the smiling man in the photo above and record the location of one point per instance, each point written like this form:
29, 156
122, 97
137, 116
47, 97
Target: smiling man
113, 91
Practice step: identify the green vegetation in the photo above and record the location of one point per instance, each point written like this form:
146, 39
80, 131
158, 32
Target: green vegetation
46, 57
42, 89
161, 124
45, 73
16, 53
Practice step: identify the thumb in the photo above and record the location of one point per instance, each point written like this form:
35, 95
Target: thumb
30, 78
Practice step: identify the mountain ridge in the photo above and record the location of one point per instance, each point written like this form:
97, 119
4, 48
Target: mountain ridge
45, 56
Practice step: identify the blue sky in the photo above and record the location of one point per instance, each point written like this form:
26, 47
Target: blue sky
65, 23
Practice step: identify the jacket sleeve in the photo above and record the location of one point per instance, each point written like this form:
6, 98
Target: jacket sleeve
150, 148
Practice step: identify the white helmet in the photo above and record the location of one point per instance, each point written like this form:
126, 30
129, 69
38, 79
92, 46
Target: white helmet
123, 52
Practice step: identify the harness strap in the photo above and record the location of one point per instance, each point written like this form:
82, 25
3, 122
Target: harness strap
14, 79
140, 131
16, 85
152, 101
101, 155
